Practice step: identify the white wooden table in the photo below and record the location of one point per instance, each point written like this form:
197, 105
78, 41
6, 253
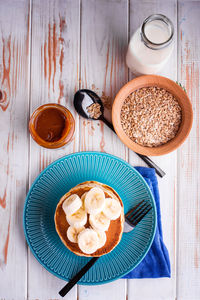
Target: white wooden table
48, 50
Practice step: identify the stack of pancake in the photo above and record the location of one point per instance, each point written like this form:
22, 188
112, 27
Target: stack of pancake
89, 219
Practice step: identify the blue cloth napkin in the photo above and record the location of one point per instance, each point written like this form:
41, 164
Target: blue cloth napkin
156, 263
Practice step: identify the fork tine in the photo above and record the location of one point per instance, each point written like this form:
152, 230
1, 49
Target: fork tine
142, 216
137, 214
134, 208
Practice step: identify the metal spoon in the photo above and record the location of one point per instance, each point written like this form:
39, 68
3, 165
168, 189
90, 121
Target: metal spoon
83, 99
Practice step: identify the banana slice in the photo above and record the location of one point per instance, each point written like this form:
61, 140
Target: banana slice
72, 233
72, 204
112, 209
95, 200
83, 199
102, 238
88, 241
78, 219
99, 221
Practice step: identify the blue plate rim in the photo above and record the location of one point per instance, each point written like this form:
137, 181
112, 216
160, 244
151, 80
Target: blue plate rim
88, 153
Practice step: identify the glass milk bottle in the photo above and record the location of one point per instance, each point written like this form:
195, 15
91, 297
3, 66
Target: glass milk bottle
151, 45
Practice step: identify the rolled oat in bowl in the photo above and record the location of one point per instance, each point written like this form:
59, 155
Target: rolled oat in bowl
151, 116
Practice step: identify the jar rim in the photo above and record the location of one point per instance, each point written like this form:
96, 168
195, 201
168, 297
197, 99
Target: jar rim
151, 44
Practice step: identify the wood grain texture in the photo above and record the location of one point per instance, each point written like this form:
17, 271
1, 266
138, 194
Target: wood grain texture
54, 78
14, 71
103, 43
89, 38
188, 156
163, 288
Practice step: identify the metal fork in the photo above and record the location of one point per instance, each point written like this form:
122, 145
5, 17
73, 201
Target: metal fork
132, 217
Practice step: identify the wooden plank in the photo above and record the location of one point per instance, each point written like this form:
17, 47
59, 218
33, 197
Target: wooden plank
14, 107
163, 288
103, 43
103, 67
188, 267
54, 78
113, 290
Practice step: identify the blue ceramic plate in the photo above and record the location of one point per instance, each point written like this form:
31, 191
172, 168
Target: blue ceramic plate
55, 181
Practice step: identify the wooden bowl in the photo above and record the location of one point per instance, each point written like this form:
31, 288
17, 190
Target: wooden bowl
174, 89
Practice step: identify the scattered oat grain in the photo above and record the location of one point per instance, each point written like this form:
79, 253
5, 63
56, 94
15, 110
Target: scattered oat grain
94, 110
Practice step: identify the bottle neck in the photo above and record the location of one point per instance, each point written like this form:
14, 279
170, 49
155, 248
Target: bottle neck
157, 32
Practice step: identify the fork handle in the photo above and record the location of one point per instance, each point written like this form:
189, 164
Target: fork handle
77, 277
152, 164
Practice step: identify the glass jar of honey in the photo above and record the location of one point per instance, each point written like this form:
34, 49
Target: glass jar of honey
52, 125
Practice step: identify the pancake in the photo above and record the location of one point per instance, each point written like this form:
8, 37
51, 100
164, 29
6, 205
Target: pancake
114, 232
